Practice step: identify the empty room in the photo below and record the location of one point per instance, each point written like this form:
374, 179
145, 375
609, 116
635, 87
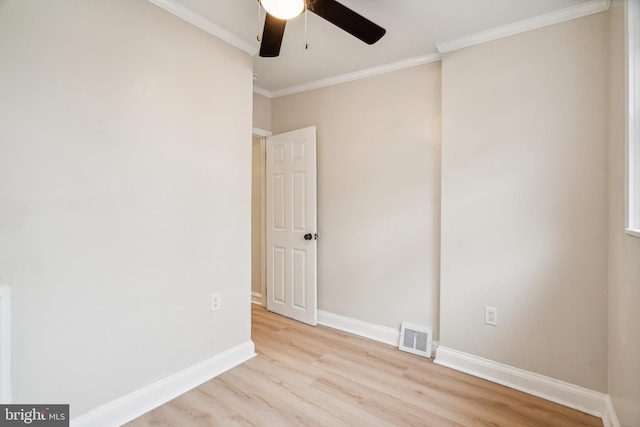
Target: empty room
320, 213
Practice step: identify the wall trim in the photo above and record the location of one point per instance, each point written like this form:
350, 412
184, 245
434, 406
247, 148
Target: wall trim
361, 328
256, 298
204, 24
5, 345
610, 418
261, 132
141, 401
630, 232
357, 75
262, 91
570, 395
578, 11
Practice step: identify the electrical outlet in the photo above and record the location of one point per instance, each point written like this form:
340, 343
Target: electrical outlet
491, 316
215, 302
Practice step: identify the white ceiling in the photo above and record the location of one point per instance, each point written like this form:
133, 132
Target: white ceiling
414, 29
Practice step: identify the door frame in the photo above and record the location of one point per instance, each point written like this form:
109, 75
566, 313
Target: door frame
263, 134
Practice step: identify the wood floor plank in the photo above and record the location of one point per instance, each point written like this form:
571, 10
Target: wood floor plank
528, 409
444, 404
383, 406
342, 413
318, 376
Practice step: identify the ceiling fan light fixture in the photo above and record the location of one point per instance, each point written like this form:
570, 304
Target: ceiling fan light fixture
283, 9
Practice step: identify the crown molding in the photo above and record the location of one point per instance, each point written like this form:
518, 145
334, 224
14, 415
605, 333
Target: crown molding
261, 91
357, 75
204, 24
578, 11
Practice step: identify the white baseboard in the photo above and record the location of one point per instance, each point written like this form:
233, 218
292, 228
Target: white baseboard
610, 419
256, 298
372, 331
131, 406
570, 395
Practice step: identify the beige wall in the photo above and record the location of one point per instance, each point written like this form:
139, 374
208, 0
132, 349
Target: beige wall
117, 220
378, 190
124, 196
261, 112
624, 251
524, 200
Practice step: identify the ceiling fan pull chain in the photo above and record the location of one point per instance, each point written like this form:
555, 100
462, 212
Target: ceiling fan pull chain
306, 12
259, 37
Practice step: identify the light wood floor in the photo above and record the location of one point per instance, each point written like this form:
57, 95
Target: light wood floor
305, 376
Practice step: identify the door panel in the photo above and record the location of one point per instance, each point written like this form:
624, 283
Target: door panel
291, 214
299, 278
279, 275
278, 202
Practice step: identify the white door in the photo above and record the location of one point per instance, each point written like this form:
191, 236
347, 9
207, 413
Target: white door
291, 221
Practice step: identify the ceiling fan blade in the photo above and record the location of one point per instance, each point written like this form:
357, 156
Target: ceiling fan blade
272, 36
348, 20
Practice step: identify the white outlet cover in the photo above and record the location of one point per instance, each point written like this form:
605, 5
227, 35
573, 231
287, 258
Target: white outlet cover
215, 302
491, 316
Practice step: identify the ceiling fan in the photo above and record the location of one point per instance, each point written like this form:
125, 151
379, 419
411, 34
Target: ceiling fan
279, 11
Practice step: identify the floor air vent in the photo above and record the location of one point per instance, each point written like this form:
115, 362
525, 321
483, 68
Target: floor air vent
416, 339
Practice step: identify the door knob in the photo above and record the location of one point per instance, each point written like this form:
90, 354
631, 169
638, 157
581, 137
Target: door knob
308, 236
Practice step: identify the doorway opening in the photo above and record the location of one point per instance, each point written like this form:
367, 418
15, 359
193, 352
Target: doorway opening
284, 223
